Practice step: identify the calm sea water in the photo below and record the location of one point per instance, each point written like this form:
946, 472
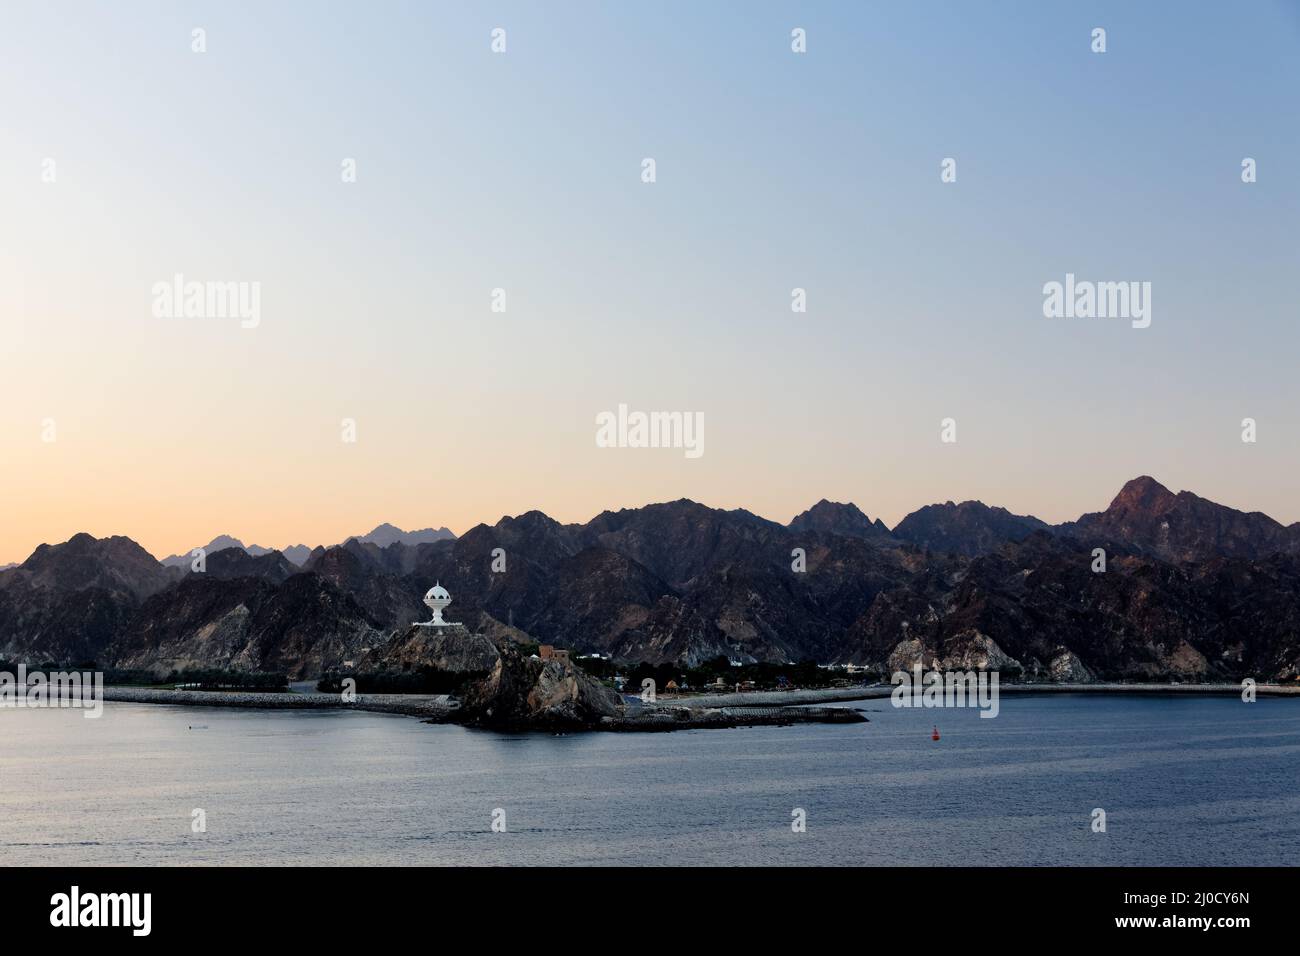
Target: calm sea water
1183, 781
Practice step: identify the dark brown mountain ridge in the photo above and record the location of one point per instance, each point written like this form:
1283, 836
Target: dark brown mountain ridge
1192, 590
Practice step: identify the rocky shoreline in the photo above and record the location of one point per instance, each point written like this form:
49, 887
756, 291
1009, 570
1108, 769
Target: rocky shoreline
437, 708
704, 711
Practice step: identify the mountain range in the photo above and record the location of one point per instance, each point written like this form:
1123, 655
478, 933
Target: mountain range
384, 535
1191, 590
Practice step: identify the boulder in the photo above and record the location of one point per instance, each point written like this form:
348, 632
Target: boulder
525, 692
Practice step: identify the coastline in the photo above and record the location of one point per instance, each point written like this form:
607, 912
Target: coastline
441, 707
790, 698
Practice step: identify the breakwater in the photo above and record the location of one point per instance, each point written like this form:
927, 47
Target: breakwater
414, 705
442, 708
750, 708
700, 718
791, 698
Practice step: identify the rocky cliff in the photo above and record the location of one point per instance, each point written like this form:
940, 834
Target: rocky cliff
499, 684
970, 528
524, 691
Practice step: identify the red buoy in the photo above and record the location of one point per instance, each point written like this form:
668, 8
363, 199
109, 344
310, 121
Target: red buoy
935, 735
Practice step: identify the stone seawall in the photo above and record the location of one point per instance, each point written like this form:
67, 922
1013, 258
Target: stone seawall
671, 713
790, 698
703, 718
441, 708
414, 705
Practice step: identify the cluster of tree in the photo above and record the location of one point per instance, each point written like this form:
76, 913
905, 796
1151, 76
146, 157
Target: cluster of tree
216, 678
661, 674
11, 667
204, 678
601, 668
47, 666
118, 675
425, 680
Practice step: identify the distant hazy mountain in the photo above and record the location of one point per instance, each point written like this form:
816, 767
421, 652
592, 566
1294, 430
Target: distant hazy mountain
221, 542
387, 534
1192, 590
297, 553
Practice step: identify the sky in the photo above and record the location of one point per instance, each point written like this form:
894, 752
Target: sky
522, 170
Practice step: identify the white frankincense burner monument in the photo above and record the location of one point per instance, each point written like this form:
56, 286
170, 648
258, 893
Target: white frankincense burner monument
437, 598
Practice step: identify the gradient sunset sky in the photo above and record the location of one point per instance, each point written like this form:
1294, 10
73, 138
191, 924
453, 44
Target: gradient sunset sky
522, 171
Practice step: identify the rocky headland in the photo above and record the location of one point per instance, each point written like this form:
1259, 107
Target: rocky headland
494, 685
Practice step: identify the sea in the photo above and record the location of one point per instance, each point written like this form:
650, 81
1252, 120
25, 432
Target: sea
1072, 780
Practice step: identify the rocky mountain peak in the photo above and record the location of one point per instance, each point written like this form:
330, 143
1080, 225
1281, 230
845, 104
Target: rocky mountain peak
1183, 527
222, 542
969, 528
116, 564
388, 534
833, 517
1143, 494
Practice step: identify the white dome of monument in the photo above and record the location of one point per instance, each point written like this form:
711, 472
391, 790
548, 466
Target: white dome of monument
437, 593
